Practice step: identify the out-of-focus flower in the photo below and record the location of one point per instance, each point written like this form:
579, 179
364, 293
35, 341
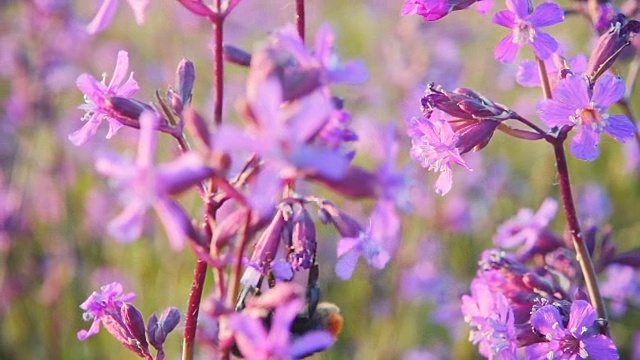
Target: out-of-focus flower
96, 96
622, 287
107, 10
572, 339
149, 185
528, 76
275, 343
376, 244
610, 43
434, 145
492, 319
99, 306
432, 10
525, 23
594, 204
529, 229
574, 104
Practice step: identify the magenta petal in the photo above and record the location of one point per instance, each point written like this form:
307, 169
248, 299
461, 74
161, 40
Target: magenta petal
546, 14
584, 145
554, 113
527, 74
138, 7
87, 131
89, 86
444, 182
103, 16
573, 91
608, 90
346, 244
522, 8
114, 126
127, 226
310, 342
249, 333
347, 264
547, 321
582, 315
506, 50
94, 329
600, 347
129, 87
504, 18
120, 71
324, 43
484, 6
148, 140
620, 128
182, 173
543, 44
175, 221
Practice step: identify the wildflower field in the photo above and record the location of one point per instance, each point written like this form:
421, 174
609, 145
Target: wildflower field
281, 179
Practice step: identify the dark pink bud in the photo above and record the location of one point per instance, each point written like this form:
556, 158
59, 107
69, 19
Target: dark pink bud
267, 245
127, 107
345, 224
462, 103
610, 44
357, 183
197, 127
135, 324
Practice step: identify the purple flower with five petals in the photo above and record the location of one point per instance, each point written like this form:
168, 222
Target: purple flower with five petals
100, 305
107, 10
434, 146
576, 339
575, 104
150, 185
525, 24
96, 95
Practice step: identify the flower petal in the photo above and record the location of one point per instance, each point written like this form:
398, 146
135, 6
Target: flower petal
581, 316
127, 226
548, 322
505, 18
573, 91
548, 13
506, 50
175, 221
608, 90
543, 45
138, 7
600, 347
311, 342
620, 128
347, 264
445, 181
584, 145
87, 131
103, 16
120, 71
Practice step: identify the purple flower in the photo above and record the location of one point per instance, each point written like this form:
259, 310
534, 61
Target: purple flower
323, 58
488, 312
528, 76
525, 24
274, 343
100, 305
622, 287
575, 339
526, 227
150, 185
433, 146
432, 10
574, 104
107, 10
375, 244
96, 95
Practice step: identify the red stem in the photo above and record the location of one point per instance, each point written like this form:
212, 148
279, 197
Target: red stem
218, 67
300, 18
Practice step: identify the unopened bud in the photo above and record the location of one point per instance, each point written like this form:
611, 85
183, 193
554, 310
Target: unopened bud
610, 44
127, 107
462, 103
236, 55
197, 127
185, 78
134, 322
303, 239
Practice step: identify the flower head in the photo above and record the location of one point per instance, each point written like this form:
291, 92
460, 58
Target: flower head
525, 23
97, 93
432, 10
100, 305
575, 104
434, 145
148, 185
576, 338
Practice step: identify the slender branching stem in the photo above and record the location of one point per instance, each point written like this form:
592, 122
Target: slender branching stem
544, 78
300, 20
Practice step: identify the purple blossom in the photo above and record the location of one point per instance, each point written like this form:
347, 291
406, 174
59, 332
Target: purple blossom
526, 227
492, 319
274, 343
96, 95
574, 104
432, 10
528, 76
433, 146
376, 244
107, 10
149, 185
100, 305
621, 286
323, 58
525, 23
575, 339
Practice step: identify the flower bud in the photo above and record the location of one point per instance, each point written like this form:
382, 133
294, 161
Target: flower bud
185, 78
127, 107
236, 55
345, 224
462, 103
197, 127
265, 251
610, 44
135, 324
302, 243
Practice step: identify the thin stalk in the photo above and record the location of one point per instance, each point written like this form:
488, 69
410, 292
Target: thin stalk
218, 65
544, 78
234, 285
191, 321
582, 253
300, 18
